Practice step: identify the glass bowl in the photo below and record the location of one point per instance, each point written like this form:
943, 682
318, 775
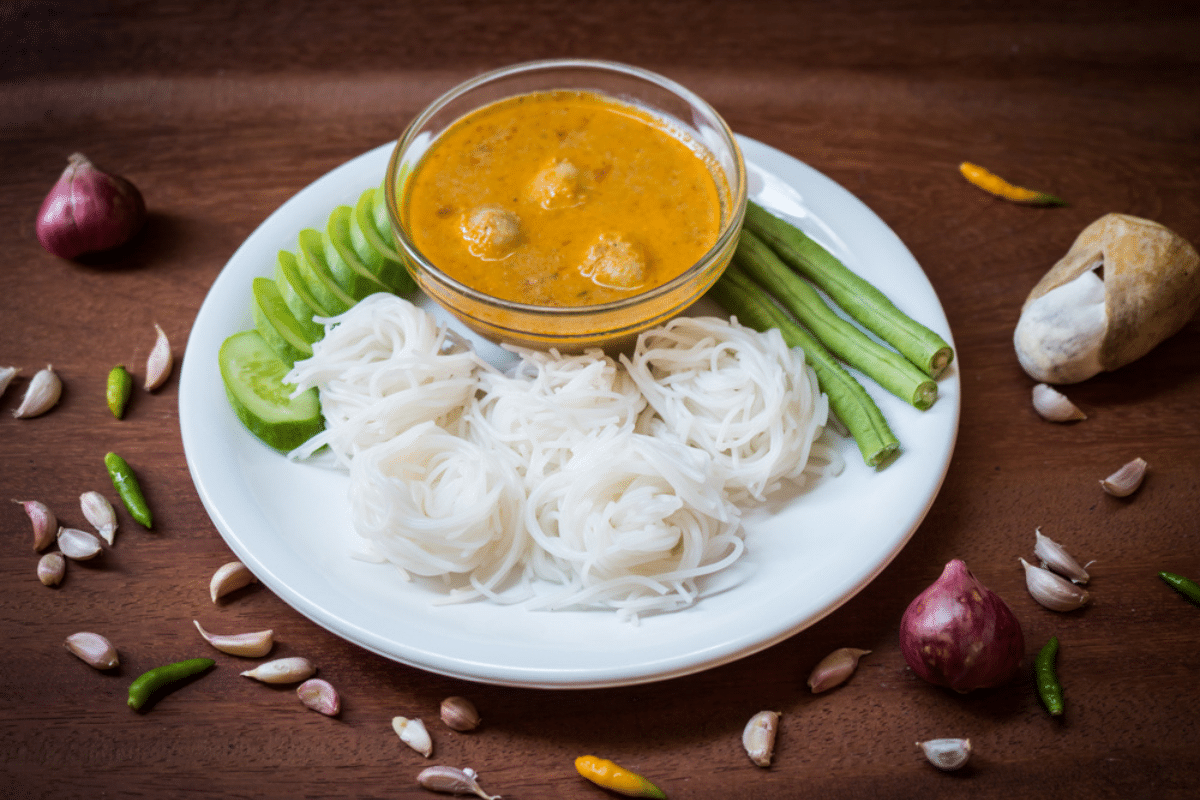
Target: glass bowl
572, 328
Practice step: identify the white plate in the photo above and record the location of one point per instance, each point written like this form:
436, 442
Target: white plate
805, 557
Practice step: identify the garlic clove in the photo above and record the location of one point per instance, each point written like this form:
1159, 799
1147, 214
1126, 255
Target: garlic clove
1053, 591
45, 524
450, 780
248, 645
99, 512
41, 394
320, 696
228, 578
78, 545
947, 754
414, 734
6, 376
1126, 480
459, 714
758, 737
159, 362
1055, 557
282, 670
51, 569
93, 649
835, 669
1054, 406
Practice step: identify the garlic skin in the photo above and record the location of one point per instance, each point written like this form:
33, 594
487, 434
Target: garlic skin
758, 737
1053, 405
450, 780
41, 395
99, 512
51, 569
947, 754
459, 714
88, 210
1053, 591
93, 649
414, 734
45, 524
159, 362
835, 669
320, 696
247, 645
282, 670
1127, 480
1055, 557
6, 376
228, 578
78, 545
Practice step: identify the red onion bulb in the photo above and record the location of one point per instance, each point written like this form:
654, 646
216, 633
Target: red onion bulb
89, 210
960, 634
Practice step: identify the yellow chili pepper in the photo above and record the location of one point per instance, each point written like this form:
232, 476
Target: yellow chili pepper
603, 772
996, 185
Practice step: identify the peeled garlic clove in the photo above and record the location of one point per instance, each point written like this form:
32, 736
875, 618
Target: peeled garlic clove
1055, 557
249, 645
6, 376
758, 737
1053, 405
159, 362
40, 396
451, 780
228, 578
947, 754
282, 670
1126, 480
98, 511
459, 714
78, 545
93, 649
413, 733
320, 696
45, 524
51, 568
1053, 591
835, 668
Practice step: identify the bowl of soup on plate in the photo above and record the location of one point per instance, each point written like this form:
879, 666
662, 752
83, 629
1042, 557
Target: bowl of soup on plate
566, 203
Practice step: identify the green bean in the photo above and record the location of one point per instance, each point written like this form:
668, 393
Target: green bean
886, 367
151, 681
126, 484
754, 308
1185, 586
1049, 689
856, 296
120, 384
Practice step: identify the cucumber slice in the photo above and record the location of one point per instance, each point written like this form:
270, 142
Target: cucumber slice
277, 326
345, 265
253, 375
298, 298
383, 223
315, 271
377, 255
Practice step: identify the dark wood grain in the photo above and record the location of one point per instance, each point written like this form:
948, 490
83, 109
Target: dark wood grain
221, 111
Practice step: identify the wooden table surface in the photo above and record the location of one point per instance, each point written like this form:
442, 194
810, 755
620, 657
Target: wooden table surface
221, 111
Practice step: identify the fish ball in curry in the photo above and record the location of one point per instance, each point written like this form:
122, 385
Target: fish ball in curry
491, 232
559, 185
615, 262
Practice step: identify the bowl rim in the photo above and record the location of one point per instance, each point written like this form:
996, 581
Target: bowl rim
738, 191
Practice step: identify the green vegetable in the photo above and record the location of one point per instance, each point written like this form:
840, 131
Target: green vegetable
886, 367
317, 274
1185, 586
151, 681
853, 294
297, 296
347, 268
1044, 672
120, 384
377, 251
253, 374
277, 325
754, 308
126, 484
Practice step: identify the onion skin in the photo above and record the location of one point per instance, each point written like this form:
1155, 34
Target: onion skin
89, 210
960, 634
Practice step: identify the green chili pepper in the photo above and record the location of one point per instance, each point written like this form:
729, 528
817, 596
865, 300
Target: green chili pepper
1048, 686
126, 484
151, 681
1185, 586
120, 384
